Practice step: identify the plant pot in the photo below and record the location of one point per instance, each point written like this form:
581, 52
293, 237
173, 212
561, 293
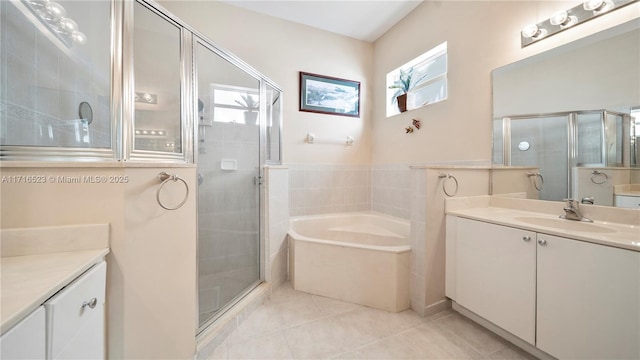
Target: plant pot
402, 102
250, 117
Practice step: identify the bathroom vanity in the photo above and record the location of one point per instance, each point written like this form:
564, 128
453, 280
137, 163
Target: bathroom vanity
570, 289
53, 292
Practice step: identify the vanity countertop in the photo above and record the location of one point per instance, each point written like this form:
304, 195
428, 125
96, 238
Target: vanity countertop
627, 190
600, 232
36, 263
28, 281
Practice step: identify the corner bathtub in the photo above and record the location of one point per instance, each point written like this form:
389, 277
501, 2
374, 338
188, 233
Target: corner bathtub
358, 257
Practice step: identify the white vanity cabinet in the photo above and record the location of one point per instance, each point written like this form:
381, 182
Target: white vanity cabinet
588, 300
26, 339
496, 275
571, 299
75, 318
627, 201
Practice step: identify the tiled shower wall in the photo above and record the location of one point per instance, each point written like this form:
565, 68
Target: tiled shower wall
323, 189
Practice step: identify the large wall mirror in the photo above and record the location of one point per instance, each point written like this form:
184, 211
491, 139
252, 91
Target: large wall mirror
574, 112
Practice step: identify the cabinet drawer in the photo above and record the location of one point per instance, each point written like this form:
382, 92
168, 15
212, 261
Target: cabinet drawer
26, 340
75, 321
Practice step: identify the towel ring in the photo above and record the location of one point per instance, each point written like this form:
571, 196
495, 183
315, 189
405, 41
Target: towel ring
602, 174
164, 178
444, 188
535, 181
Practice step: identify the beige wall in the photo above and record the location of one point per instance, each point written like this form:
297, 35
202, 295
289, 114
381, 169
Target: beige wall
481, 36
280, 49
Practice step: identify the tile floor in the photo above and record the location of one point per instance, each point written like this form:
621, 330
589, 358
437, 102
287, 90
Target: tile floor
297, 325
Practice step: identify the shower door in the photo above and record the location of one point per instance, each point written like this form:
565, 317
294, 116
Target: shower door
543, 142
228, 160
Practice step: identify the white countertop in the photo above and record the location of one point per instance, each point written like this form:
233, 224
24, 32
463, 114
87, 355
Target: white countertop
622, 235
37, 262
28, 281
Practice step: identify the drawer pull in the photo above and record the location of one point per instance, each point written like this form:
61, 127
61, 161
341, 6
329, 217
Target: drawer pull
542, 242
526, 238
91, 303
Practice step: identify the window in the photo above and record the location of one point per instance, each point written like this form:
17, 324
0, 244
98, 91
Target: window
234, 104
424, 79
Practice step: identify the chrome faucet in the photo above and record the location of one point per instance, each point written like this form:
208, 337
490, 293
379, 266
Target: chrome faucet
572, 211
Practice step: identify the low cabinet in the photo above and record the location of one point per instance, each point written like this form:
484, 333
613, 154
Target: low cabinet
569, 298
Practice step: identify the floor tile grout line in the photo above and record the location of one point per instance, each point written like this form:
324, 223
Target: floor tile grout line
468, 343
383, 338
288, 345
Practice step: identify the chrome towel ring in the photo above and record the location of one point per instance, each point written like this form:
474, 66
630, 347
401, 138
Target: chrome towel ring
597, 174
536, 184
444, 183
165, 178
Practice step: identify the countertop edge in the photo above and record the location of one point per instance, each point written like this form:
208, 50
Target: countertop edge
468, 214
93, 257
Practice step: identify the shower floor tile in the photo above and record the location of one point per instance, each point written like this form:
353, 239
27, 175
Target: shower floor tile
297, 325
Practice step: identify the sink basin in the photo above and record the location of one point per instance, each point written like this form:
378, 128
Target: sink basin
562, 224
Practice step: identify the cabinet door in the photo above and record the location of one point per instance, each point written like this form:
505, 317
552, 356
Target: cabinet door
496, 275
75, 318
588, 300
632, 202
26, 340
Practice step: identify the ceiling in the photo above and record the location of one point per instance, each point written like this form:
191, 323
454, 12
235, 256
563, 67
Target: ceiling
361, 19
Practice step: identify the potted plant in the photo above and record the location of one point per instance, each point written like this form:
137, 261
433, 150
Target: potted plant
404, 84
248, 102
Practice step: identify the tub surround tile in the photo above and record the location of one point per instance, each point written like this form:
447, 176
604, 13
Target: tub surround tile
328, 188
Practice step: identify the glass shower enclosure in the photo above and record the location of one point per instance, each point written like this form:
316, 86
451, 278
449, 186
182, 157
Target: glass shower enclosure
228, 158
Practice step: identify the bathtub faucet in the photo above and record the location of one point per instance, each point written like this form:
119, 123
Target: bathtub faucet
572, 211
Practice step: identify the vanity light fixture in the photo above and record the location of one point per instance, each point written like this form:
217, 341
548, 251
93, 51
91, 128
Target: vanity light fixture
565, 19
146, 98
147, 132
53, 16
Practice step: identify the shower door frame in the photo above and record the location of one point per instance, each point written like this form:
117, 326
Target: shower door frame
199, 39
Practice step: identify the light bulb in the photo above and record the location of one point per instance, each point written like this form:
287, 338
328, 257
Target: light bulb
68, 25
79, 37
147, 97
530, 31
145, 132
563, 19
137, 132
55, 10
592, 5
559, 17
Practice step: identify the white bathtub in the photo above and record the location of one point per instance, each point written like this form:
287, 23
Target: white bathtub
358, 257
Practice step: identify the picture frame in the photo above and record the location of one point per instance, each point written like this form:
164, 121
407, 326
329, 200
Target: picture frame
329, 95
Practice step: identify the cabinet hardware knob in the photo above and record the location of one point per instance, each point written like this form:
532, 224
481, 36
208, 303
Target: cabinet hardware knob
542, 242
526, 238
91, 303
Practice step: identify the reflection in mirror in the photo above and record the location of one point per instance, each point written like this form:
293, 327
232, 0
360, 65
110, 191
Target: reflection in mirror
47, 73
551, 101
156, 58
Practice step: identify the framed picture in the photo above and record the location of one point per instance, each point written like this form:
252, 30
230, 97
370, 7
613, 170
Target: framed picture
329, 95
